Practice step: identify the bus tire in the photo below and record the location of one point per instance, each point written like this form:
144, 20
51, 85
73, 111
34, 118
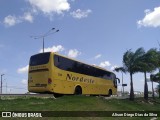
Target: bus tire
78, 90
109, 93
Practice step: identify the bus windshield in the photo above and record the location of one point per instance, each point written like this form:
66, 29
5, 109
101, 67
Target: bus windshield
39, 59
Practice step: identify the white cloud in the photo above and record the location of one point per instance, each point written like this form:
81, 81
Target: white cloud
23, 69
147, 11
58, 48
24, 82
113, 67
78, 14
11, 20
151, 19
73, 53
104, 64
28, 17
148, 79
50, 7
97, 56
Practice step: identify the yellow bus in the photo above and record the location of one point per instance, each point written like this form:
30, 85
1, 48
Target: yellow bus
50, 72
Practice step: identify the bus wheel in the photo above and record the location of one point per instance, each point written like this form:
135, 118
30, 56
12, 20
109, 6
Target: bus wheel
78, 90
109, 93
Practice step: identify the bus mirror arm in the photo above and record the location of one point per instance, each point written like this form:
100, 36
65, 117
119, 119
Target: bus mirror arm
118, 80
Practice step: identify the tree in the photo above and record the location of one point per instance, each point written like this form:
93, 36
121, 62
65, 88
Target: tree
122, 70
151, 78
130, 63
147, 63
156, 78
159, 70
153, 60
157, 89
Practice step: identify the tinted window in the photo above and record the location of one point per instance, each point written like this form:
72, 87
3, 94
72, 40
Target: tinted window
39, 59
74, 66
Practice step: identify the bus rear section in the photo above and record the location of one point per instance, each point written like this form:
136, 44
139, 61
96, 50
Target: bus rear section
39, 73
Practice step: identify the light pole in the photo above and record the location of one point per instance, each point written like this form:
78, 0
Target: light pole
122, 70
1, 82
159, 69
122, 84
51, 31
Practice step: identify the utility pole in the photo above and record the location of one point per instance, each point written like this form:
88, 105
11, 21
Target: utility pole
1, 82
6, 87
51, 31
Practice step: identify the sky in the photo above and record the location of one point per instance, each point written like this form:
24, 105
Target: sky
97, 33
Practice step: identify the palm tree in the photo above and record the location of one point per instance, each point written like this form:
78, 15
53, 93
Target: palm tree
152, 80
156, 78
130, 63
152, 90
122, 70
152, 63
158, 53
147, 63
157, 89
127, 63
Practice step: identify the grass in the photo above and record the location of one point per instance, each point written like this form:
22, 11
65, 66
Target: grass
79, 103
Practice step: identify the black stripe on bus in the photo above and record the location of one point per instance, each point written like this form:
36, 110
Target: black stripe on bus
38, 70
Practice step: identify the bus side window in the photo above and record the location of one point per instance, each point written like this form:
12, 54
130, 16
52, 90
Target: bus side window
56, 60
